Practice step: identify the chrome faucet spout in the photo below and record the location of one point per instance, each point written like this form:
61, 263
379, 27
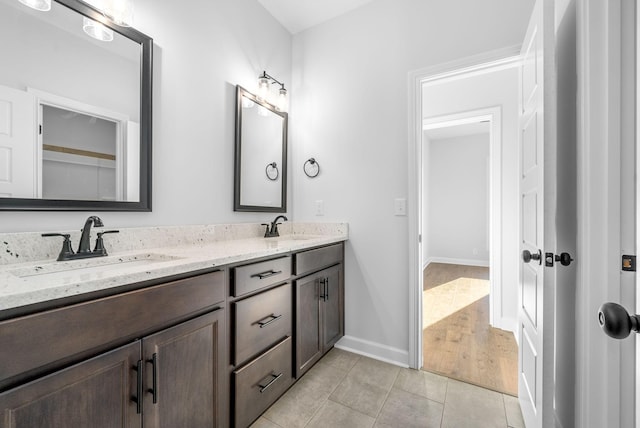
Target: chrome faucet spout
85, 244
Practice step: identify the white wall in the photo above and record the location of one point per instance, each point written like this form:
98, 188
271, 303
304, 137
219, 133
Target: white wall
349, 112
201, 51
458, 200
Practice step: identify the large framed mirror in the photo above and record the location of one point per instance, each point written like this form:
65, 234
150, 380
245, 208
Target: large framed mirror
75, 111
261, 155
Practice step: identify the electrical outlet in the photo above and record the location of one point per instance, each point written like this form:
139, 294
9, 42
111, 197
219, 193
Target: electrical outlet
401, 206
319, 208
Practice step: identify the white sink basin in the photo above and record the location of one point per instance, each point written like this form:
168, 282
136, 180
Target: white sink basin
100, 265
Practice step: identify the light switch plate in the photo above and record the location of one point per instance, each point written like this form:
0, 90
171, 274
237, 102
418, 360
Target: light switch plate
401, 206
319, 207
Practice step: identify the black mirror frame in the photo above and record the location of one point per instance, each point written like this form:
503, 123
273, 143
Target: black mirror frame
237, 206
146, 76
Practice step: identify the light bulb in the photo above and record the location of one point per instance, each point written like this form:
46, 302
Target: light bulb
282, 99
263, 88
97, 30
120, 12
41, 5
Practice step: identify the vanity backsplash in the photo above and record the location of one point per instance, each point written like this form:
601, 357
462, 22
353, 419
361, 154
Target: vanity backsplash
31, 246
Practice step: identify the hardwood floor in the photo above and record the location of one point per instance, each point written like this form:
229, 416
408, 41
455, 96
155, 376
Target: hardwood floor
458, 341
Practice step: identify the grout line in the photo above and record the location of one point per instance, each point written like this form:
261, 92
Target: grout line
444, 404
504, 408
386, 397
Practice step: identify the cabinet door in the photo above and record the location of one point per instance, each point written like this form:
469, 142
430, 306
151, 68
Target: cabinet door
308, 341
332, 306
184, 382
96, 393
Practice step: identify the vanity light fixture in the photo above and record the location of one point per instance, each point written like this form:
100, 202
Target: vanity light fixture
264, 91
41, 5
120, 12
96, 30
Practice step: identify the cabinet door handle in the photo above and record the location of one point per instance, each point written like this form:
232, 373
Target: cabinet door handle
323, 283
138, 398
326, 285
154, 377
266, 274
271, 318
274, 378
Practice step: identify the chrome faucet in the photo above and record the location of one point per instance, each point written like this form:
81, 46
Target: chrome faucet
85, 245
84, 249
273, 231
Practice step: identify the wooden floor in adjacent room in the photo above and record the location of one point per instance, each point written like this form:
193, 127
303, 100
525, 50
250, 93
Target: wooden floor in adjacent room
458, 341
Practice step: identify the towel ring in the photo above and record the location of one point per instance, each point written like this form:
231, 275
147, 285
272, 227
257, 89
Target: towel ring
311, 168
272, 171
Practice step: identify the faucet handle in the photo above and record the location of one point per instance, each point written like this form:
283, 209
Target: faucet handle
99, 248
66, 245
266, 232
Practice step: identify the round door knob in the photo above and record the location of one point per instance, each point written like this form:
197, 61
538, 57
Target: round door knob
564, 259
527, 256
616, 321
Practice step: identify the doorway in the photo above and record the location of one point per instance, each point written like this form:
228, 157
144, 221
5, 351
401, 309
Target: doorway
459, 283
480, 88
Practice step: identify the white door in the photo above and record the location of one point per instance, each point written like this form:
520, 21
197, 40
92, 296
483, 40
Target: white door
538, 208
18, 154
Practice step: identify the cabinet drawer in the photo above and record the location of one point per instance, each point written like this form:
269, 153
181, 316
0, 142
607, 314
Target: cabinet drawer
40, 342
261, 320
252, 277
309, 261
262, 382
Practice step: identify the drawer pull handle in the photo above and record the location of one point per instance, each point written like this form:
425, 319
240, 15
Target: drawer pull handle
154, 377
266, 274
271, 319
138, 399
274, 378
325, 289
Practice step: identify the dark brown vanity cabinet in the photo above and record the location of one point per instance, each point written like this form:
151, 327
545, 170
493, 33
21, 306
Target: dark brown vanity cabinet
261, 337
152, 357
95, 393
183, 382
319, 304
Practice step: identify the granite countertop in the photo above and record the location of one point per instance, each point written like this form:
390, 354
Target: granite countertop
36, 280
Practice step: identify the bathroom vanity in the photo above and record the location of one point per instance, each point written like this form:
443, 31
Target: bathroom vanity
210, 334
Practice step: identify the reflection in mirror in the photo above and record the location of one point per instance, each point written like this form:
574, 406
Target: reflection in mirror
75, 113
261, 155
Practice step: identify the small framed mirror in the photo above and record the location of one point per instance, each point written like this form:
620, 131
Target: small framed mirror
260, 156
75, 110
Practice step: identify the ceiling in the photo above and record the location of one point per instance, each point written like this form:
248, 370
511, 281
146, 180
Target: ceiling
298, 15
457, 131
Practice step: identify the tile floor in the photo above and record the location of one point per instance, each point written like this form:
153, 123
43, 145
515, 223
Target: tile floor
350, 391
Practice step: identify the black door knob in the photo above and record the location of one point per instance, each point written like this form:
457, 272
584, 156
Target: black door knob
564, 259
616, 321
527, 256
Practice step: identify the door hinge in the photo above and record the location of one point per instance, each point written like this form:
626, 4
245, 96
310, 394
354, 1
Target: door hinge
628, 263
420, 239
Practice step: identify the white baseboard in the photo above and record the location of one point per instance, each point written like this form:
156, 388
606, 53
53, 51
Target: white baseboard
452, 261
378, 351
